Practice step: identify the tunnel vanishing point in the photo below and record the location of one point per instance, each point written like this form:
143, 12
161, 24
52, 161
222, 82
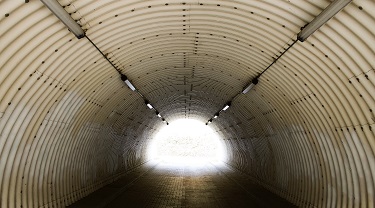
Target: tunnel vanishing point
84, 86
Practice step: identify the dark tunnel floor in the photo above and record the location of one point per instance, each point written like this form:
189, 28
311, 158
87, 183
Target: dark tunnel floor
166, 185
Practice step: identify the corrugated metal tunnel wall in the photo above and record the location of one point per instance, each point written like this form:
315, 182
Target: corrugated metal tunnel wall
69, 125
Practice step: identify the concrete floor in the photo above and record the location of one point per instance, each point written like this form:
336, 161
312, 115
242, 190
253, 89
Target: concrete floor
190, 185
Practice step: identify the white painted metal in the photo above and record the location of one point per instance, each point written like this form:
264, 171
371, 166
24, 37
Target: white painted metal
69, 125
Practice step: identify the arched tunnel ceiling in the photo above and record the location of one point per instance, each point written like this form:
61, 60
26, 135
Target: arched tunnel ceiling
69, 125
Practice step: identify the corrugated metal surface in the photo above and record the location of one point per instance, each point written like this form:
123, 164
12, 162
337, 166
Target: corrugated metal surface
69, 125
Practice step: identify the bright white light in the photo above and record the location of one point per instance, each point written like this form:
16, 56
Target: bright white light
130, 85
226, 107
149, 106
186, 141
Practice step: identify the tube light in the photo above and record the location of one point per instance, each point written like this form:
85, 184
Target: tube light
209, 121
322, 18
130, 85
60, 13
127, 82
158, 114
149, 106
251, 85
226, 106
216, 115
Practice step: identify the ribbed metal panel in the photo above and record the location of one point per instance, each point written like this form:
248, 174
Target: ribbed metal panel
69, 125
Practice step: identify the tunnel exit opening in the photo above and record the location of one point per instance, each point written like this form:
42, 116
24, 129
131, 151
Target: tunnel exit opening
186, 141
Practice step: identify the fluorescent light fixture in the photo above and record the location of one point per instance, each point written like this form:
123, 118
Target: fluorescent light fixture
216, 115
322, 18
209, 121
251, 85
60, 13
149, 106
226, 106
127, 82
130, 85
158, 114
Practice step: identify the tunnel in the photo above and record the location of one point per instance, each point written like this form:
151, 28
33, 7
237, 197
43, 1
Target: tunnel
85, 86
